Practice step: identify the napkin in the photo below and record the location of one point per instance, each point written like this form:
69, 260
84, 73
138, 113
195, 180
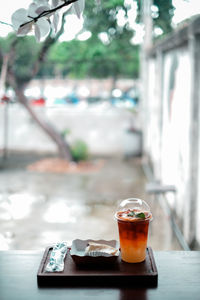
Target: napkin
57, 256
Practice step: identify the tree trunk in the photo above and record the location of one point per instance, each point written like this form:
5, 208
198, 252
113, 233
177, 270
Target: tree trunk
3, 74
113, 84
63, 147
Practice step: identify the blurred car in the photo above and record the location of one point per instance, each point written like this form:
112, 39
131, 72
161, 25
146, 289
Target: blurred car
133, 93
128, 99
59, 101
5, 99
121, 102
39, 102
72, 98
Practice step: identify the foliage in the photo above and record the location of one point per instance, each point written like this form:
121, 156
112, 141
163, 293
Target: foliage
25, 56
116, 56
95, 58
79, 151
91, 58
163, 18
41, 17
165, 14
65, 132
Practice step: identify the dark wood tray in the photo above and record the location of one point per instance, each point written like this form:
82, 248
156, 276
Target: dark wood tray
118, 274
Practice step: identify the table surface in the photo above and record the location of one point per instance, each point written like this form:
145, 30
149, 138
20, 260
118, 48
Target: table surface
178, 278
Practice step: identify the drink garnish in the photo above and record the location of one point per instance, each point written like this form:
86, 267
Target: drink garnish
131, 214
140, 215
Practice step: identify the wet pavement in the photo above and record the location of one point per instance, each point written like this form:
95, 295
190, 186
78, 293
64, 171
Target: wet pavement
38, 209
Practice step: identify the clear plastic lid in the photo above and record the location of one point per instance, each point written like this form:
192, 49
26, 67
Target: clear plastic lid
136, 205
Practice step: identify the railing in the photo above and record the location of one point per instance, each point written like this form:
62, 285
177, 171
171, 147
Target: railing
159, 192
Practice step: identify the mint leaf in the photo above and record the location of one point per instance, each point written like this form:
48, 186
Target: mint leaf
140, 215
131, 214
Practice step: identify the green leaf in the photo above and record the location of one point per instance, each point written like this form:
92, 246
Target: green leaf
131, 214
140, 215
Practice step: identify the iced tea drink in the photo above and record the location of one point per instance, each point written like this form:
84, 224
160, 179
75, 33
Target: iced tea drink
133, 219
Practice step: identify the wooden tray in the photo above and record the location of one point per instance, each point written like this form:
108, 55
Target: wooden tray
118, 274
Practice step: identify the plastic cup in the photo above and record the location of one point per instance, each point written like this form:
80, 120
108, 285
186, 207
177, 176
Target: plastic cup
133, 216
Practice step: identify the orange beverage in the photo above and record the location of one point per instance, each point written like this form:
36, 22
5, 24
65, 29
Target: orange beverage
133, 225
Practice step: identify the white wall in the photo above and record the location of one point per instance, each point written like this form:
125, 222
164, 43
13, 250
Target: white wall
102, 127
169, 124
176, 127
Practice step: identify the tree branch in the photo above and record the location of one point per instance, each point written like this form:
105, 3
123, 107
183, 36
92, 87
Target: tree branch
11, 58
41, 56
47, 12
63, 147
4, 23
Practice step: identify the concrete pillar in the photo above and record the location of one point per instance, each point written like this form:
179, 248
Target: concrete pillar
144, 69
190, 218
159, 104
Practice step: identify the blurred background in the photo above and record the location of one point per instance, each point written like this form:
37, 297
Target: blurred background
104, 110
